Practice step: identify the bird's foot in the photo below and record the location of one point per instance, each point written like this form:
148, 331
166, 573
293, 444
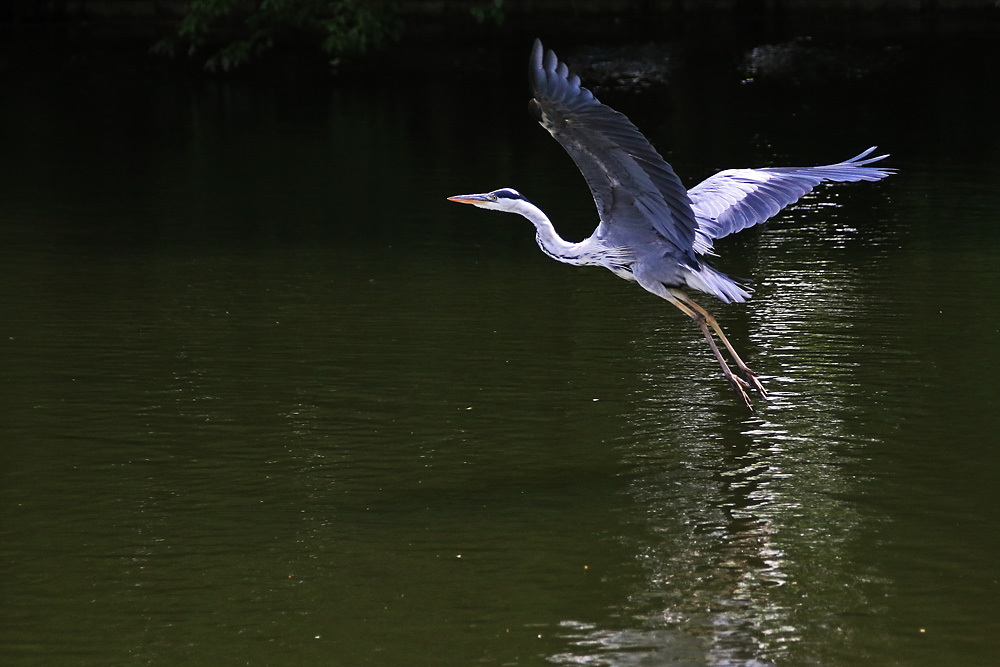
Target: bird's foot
750, 380
740, 386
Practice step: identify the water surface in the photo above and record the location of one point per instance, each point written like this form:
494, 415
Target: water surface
269, 399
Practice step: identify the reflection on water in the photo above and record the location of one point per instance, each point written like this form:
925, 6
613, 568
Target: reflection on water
269, 399
746, 533
751, 535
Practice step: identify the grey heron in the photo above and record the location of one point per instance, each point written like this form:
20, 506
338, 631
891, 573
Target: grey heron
652, 230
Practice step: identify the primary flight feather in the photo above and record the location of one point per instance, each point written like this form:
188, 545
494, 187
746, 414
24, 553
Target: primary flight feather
652, 230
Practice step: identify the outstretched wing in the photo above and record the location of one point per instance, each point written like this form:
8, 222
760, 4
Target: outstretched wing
633, 186
735, 199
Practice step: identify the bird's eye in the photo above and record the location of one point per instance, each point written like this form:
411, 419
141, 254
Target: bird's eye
493, 197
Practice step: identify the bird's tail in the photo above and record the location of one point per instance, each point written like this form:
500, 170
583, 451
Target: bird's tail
708, 280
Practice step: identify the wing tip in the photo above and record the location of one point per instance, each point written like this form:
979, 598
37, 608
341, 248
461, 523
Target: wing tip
551, 78
866, 173
863, 159
536, 72
536, 52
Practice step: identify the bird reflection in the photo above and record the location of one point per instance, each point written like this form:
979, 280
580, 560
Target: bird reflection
746, 532
654, 231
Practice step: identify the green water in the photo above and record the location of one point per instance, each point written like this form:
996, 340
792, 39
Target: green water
269, 399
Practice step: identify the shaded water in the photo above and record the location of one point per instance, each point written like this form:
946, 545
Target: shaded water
268, 399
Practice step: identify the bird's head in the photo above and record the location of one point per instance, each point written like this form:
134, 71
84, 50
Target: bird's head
504, 199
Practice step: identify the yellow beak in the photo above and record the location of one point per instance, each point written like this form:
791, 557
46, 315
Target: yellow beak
468, 199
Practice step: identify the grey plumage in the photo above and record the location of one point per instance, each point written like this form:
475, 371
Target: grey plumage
652, 230
735, 199
634, 188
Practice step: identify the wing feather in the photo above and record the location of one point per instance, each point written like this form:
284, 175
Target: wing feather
633, 186
735, 199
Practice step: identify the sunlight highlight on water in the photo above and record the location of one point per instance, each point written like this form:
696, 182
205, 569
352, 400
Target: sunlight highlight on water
270, 399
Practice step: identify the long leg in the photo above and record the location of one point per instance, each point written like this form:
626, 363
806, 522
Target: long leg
737, 383
745, 371
704, 319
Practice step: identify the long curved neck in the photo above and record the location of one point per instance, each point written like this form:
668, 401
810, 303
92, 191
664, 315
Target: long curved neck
548, 239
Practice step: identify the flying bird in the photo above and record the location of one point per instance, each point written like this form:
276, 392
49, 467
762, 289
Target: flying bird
652, 230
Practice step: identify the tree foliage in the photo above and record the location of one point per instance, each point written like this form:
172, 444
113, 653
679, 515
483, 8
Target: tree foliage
231, 33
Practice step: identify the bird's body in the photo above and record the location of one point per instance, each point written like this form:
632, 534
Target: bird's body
652, 230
